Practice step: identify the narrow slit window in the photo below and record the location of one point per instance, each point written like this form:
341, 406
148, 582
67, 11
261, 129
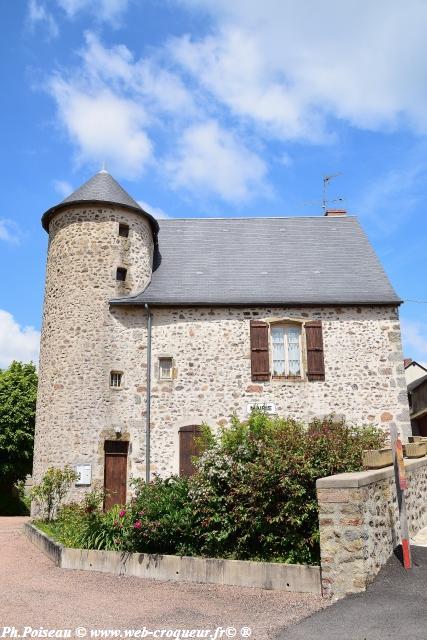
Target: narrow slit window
165, 368
116, 379
286, 342
121, 274
124, 230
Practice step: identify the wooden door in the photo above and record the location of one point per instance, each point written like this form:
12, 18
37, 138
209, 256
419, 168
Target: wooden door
115, 472
188, 449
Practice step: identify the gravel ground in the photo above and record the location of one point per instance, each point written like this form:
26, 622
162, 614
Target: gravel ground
35, 593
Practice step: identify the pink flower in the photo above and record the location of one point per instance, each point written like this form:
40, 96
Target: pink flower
137, 524
122, 513
141, 513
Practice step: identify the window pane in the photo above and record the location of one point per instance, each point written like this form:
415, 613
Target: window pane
294, 351
278, 341
165, 366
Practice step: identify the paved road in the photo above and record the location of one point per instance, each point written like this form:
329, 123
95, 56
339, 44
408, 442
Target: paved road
393, 608
33, 592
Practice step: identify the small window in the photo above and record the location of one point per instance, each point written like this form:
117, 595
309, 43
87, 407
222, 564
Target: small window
121, 274
286, 343
123, 230
116, 378
165, 368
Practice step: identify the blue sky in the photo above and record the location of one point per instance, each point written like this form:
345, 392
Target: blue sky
214, 108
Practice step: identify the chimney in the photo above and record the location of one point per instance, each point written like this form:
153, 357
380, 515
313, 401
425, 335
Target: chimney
335, 212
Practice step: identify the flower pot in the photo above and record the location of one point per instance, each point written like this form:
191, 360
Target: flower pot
417, 439
415, 449
377, 458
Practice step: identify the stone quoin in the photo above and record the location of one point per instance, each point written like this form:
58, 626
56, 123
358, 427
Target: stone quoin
293, 313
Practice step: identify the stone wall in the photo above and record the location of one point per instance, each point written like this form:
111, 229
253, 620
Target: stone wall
360, 526
84, 338
210, 347
79, 344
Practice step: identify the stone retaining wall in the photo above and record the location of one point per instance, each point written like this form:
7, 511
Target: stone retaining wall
359, 523
242, 573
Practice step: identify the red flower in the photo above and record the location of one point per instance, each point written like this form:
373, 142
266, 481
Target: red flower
137, 524
122, 513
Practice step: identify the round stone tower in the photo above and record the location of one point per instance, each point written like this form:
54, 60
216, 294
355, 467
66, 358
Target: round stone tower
101, 246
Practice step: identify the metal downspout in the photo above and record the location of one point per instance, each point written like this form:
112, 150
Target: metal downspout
148, 408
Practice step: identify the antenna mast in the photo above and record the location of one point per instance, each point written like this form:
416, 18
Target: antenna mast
326, 181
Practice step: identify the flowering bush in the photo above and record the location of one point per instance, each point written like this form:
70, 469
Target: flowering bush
253, 496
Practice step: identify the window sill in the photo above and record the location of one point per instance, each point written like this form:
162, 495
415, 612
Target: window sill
287, 378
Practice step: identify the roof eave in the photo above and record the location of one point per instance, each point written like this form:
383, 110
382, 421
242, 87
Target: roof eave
132, 301
47, 216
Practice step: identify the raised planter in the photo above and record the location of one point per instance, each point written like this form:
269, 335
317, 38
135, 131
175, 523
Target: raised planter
415, 449
377, 458
243, 573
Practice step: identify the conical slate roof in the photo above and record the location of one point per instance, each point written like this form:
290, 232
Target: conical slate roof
101, 188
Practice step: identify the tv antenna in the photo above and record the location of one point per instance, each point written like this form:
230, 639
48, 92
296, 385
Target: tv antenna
326, 181
325, 202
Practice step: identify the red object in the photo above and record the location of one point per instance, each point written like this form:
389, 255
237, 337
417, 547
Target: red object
407, 563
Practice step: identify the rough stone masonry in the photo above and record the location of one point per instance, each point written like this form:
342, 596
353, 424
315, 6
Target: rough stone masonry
84, 339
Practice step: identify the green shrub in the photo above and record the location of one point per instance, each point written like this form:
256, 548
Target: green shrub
51, 491
253, 496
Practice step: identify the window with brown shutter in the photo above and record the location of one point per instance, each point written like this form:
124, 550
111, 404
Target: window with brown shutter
314, 340
260, 362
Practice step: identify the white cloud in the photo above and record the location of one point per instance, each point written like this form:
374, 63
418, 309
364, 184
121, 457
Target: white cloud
9, 231
395, 194
16, 342
104, 126
288, 66
63, 187
104, 10
38, 15
211, 160
414, 335
156, 212
144, 78
108, 103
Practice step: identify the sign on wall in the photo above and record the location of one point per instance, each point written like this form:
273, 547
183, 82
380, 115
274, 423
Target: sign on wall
84, 472
266, 407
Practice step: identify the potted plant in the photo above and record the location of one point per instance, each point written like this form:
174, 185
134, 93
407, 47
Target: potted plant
415, 449
377, 458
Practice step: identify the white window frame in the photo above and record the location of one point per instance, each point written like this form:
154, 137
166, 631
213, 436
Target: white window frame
170, 377
287, 325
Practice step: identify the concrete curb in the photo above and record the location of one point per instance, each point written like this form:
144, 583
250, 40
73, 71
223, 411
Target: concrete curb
241, 573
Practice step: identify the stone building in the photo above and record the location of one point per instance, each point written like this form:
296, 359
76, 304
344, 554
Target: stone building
151, 328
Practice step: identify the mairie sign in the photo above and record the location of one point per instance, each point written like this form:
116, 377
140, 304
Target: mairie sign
266, 407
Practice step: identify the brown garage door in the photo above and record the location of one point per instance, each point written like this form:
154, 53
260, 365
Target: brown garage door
188, 449
115, 472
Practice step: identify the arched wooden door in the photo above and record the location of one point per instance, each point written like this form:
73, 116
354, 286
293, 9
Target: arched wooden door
188, 449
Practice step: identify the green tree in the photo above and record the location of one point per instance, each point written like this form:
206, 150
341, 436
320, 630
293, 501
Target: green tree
18, 392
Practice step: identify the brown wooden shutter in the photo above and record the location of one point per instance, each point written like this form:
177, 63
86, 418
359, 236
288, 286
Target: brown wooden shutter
314, 340
188, 449
260, 362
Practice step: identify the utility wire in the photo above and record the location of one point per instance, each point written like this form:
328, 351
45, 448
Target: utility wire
416, 301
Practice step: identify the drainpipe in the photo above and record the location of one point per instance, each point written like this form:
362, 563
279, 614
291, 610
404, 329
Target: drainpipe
148, 408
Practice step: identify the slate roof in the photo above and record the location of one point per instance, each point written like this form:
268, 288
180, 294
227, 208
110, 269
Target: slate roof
265, 261
416, 383
101, 188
